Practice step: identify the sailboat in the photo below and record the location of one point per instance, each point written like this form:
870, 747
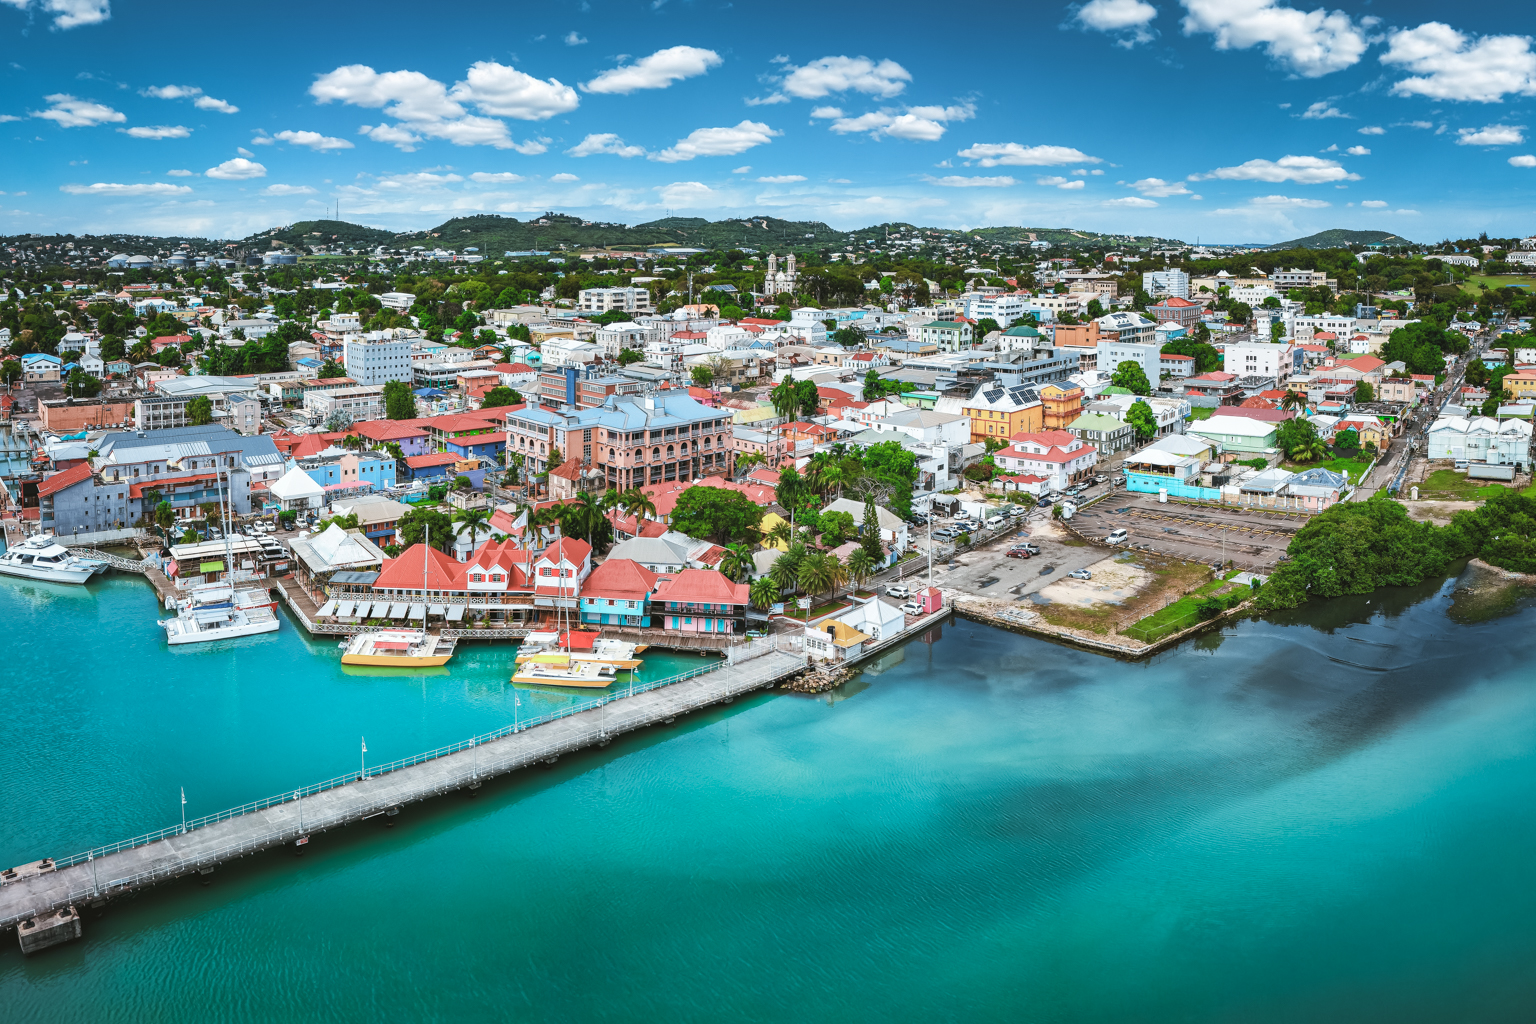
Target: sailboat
401, 648
221, 610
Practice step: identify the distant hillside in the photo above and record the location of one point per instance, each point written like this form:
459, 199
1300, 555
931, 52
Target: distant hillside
325, 232
1337, 238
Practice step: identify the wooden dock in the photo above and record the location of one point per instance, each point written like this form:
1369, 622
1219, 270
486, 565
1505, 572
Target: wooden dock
39, 892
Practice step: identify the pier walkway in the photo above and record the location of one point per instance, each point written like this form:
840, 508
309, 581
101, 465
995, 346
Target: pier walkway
34, 895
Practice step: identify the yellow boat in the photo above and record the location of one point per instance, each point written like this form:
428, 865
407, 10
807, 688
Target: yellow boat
580, 646
398, 648
557, 669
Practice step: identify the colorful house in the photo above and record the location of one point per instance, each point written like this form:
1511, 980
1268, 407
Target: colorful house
702, 601
618, 593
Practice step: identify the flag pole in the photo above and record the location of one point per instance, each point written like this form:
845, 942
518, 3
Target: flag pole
183, 810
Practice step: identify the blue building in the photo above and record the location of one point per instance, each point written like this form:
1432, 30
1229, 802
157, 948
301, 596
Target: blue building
336, 469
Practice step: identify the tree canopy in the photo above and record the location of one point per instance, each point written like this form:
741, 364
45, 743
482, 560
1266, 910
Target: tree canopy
1132, 377
716, 513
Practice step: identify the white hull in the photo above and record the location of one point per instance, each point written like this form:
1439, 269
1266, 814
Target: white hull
27, 572
174, 636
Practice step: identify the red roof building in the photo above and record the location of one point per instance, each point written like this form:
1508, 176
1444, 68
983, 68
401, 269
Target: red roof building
701, 601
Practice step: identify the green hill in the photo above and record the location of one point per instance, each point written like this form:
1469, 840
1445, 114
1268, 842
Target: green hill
325, 232
1339, 238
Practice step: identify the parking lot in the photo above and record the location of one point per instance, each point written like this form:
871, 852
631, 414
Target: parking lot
1060, 551
1250, 538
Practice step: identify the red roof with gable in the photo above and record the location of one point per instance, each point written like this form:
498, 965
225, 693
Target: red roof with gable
387, 430
433, 459
1055, 438
701, 586
619, 579
68, 478
405, 572
1177, 303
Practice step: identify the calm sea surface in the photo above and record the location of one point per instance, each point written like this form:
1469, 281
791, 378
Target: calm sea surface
1325, 817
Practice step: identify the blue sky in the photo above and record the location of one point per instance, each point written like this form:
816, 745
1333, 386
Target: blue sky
1224, 120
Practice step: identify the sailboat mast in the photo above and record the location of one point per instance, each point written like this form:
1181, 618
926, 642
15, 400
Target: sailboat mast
426, 550
229, 558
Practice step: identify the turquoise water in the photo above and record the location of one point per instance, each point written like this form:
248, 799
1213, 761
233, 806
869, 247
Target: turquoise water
1322, 818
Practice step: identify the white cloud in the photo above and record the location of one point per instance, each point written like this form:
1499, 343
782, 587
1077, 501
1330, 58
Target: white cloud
417, 180
770, 100
827, 112
743, 169
780, 179
1321, 111
1299, 204
1304, 170
1448, 65
243, 151
563, 177
962, 181
1372, 129
68, 13
657, 71
189, 92
1375, 204
1133, 201
1416, 124
1060, 182
607, 142
1492, 135
69, 112
501, 91
1131, 17
180, 173
209, 103
287, 190
1159, 188
717, 142
497, 178
426, 109
159, 131
921, 124
574, 38
687, 194
238, 169
827, 75
1525, 160
314, 140
103, 188
1011, 154
1358, 151
1310, 43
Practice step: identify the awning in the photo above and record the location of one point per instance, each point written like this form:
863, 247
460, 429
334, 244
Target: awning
437, 610
418, 611
210, 614
455, 613
398, 610
327, 610
210, 567
370, 611
344, 609
391, 645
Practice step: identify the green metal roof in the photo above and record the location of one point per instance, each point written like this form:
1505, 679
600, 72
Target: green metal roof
1115, 390
1095, 421
1021, 331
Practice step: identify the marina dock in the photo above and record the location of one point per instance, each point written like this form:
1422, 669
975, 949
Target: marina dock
41, 899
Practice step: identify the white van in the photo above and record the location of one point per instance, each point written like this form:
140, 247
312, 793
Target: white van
1116, 537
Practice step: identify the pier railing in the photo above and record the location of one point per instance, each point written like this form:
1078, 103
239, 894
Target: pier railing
787, 643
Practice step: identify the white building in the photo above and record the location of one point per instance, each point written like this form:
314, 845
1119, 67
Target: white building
1148, 355
1165, 284
398, 301
1259, 359
1253, 294
926, 426
567, 352
1005, 308
361, 403
1480, 439
601, 300
1056, 456
378, 357
614, 337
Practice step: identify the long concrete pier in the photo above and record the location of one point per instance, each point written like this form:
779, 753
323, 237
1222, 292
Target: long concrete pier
40, 898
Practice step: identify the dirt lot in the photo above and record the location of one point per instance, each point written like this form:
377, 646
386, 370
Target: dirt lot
1437, 512
1125, 589
1250, 538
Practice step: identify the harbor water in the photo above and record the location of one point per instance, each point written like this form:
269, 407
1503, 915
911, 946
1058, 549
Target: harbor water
1325, 816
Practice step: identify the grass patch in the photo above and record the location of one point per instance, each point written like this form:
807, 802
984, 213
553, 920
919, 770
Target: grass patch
816, 610
1449, 485
1098, 618
1179, 615
1074, 542
1353, 466
1170, 577
1200, 412
1503, 281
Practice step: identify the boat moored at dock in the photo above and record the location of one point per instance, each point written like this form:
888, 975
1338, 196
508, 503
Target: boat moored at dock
397, 648
581, 646
43, 558
557, 669
219, 611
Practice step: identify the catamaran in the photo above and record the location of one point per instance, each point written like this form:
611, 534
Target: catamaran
221, 610
581, 646
556, 669
43, 558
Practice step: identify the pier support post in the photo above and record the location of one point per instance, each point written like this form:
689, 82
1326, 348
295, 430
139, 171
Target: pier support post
51, 929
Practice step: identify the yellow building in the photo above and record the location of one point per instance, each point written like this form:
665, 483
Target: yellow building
1521, 383
1000, 412
767, 525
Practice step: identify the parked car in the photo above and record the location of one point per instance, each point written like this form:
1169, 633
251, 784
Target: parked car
1080, 574
1031, 547
1044, 502
898, 590
947, 533
1099, 478
912, 608
1018, 552
1116, 537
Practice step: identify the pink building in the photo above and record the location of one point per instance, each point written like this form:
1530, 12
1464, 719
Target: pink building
701, 601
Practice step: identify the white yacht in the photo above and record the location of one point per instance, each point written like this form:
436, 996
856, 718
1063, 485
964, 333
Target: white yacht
44, 558
219, 611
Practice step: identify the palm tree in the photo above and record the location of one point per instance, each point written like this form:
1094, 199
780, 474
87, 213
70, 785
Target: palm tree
1310, 451
764, 592
833, 478
475, 521
786, 568
782, 533
541, 518
746, 461
821, 572
860, 566
1293, 400
736, 563
638, 503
